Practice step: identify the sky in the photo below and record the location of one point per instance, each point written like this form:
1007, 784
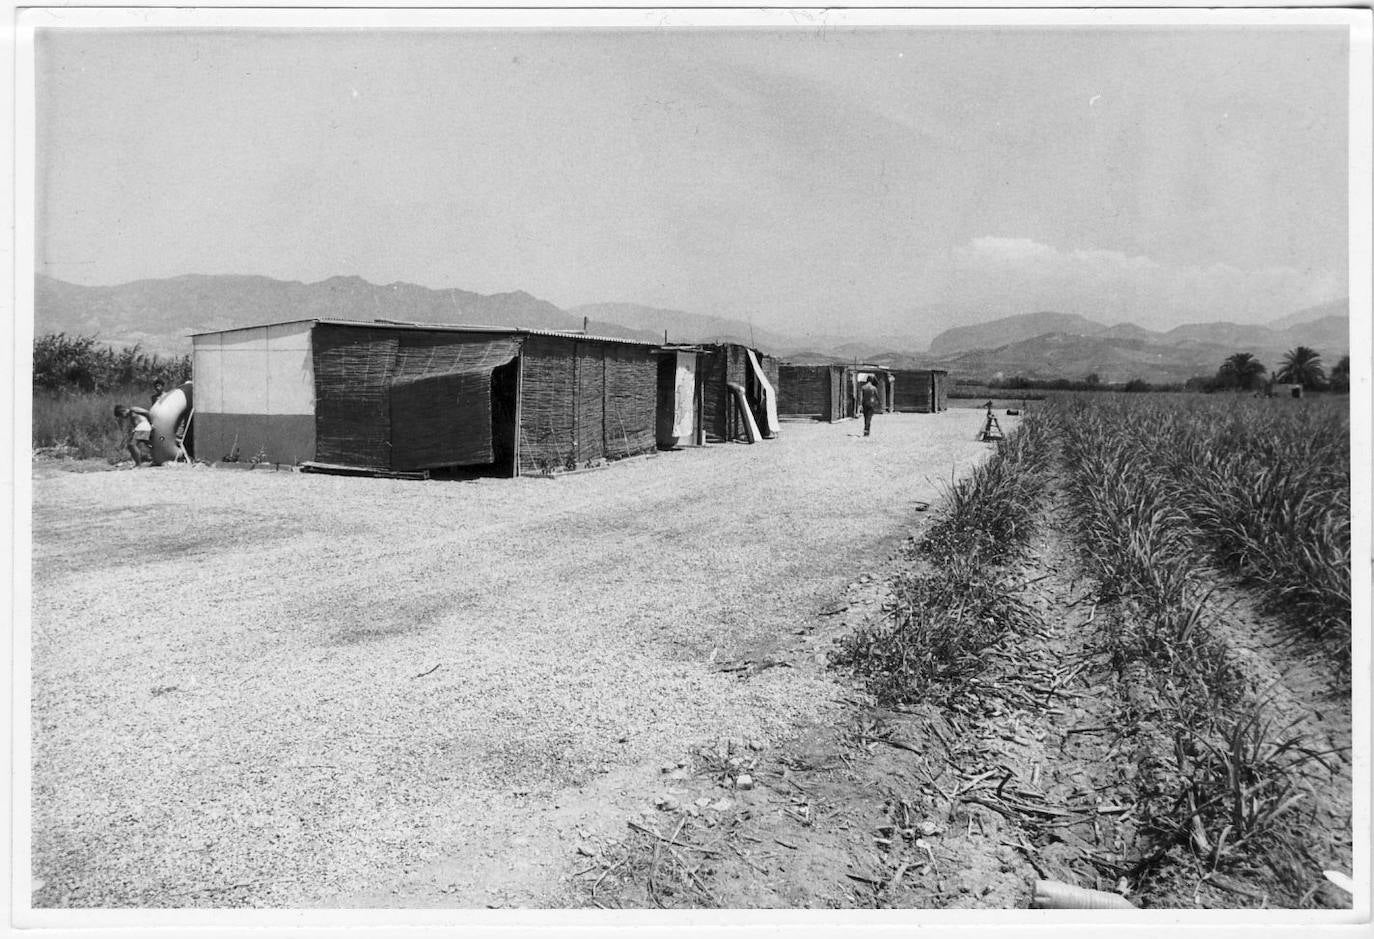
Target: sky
817, 181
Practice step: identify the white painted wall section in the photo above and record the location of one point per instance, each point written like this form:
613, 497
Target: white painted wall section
260, 370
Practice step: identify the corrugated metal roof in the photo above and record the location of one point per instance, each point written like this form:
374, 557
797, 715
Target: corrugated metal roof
239, 329
441, 327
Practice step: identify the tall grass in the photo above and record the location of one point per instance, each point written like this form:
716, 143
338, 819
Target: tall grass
82, 426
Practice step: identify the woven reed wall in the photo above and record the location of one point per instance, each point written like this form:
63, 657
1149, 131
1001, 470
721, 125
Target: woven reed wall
835, 393
353, 368
583, 401
547, 406
803, 390
713, 393
441, 398
770, 365
589, 410
942, 391
913, 391
405, 398
722, 364
631, 400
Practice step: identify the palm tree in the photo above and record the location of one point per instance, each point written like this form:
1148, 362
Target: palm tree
1303, 366
1340, 375
1241, 370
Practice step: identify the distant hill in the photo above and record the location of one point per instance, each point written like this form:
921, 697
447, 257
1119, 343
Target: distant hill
1224, 334
1062, 355
1011, 329
1077, 346
682, 326
1126, 331
162, 314
1173, 357
1336, 308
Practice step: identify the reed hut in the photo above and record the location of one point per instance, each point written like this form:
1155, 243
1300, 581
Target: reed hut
814, 391
725, 364
856, 375
924, 391
412, 398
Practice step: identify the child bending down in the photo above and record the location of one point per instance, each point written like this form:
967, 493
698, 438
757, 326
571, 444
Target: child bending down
137, 431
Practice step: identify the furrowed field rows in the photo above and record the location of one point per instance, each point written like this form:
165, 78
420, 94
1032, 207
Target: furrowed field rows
1265, 487
1214, 538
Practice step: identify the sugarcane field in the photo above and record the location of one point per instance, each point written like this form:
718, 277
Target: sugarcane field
517, 470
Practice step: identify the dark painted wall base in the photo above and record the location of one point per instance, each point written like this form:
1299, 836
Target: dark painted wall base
279, 438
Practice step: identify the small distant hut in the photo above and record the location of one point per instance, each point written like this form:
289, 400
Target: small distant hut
814, 391
1280, 389
922, 390
411, 398
725, 364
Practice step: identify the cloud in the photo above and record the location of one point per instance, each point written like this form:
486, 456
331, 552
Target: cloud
991, 249
1016, 275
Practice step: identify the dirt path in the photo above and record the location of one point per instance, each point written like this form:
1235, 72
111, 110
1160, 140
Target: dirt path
1045, 767
271, 689
956, 807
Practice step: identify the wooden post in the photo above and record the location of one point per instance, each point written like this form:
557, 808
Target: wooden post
577, 402
699, 402
519, 396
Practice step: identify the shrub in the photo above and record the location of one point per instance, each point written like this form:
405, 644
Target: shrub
80, 365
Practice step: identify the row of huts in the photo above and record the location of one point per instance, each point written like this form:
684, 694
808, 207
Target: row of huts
831, 392
411, 398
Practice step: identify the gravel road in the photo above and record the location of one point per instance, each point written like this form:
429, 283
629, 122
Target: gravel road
278, 689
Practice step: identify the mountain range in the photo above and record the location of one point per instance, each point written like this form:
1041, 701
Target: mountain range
1058, 345
160, 315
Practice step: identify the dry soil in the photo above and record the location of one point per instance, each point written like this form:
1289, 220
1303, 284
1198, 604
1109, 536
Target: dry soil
277, 689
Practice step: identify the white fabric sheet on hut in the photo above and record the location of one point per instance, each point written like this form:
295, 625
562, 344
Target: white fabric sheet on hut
770, 396
684, 395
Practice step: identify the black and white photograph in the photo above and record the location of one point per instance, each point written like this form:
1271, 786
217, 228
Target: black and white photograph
563, 468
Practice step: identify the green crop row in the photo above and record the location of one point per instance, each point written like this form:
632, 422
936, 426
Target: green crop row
1161, 490
1262, 485
959, 598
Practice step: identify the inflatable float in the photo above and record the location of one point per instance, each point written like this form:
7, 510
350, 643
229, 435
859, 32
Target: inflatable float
168, 415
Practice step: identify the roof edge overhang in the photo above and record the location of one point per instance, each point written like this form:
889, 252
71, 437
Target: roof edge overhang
438, 327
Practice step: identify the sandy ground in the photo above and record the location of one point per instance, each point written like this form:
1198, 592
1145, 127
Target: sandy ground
1040, 767
276, 689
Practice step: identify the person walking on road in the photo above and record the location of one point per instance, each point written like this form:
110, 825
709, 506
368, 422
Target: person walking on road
868, 400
